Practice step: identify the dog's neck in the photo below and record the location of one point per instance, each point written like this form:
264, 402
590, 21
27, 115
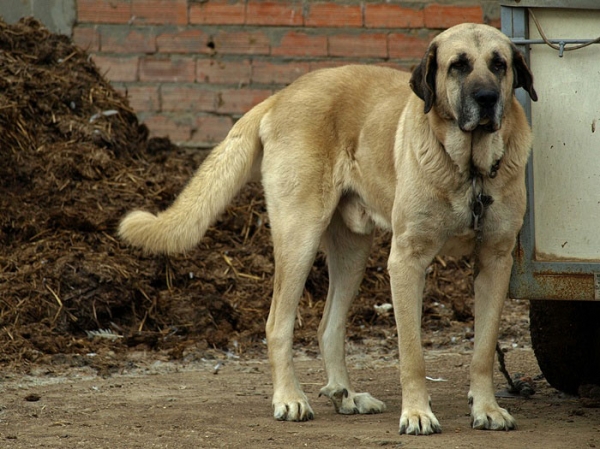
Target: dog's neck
477, 156
477, 152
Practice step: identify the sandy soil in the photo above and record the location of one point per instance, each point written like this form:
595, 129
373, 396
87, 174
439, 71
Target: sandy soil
212, 399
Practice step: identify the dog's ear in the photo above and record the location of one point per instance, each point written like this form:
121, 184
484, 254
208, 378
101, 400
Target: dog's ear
522, 75
422, 80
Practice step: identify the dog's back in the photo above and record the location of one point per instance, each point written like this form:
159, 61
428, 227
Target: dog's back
324, 110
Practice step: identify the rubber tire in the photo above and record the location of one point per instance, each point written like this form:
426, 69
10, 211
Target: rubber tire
565, 336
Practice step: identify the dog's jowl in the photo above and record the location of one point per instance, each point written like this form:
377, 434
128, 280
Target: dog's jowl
438, 157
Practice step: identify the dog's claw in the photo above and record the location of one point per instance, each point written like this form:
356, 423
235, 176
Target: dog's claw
480, 424
491, 417
490, 424
504, 423
419, 423
295, 411
347, 402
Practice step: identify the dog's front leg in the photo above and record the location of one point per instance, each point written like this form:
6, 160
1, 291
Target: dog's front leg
407, 263
491, 287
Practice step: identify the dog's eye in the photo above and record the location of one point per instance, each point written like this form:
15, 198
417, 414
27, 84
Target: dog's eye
460, 65
498, 65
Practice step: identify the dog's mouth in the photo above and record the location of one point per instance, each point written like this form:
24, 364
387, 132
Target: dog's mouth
486, 124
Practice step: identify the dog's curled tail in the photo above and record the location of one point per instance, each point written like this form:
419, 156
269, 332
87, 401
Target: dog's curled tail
218, 180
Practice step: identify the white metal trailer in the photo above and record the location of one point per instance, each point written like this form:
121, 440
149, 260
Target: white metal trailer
558, 252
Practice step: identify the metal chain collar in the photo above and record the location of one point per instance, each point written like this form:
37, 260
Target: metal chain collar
481, 201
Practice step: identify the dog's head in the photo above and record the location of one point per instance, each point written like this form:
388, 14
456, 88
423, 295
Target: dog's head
468, 75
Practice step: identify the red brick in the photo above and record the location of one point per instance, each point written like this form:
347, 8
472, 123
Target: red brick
372, 45
183, 41
223, 72
143, 98
119, 39
160, 11
334, 15
295, 43
178, 129
274, 13
218, 12
118, 69
408, 46
240, 101
187, 97
167, 69
210, 130
492, 21
387, 15
264, 72
241, 42
87, 38
103, 11
331, 63
445, 16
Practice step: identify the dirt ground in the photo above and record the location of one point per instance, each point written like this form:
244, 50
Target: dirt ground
156, 403
102, 346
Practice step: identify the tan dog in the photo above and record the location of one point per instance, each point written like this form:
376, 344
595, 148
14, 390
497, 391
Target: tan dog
343, 150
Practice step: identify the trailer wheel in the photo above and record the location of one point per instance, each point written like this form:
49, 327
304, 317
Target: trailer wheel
565, 336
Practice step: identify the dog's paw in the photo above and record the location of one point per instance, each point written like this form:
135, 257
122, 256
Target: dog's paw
419, 422
350, 403
298, 410
490, 416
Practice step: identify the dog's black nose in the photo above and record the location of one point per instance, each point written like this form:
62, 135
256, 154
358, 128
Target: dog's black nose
486, 98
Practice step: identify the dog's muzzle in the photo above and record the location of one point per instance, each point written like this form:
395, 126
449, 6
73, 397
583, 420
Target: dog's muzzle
481, 110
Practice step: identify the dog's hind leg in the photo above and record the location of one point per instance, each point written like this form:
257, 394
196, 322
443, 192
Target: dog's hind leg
347, 254
298, 220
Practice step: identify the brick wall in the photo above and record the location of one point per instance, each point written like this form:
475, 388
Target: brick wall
192, 67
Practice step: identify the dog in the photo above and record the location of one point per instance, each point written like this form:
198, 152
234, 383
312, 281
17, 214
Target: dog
437, 156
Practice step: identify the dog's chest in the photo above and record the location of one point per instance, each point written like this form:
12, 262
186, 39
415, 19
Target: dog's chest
460, 234
460, 245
